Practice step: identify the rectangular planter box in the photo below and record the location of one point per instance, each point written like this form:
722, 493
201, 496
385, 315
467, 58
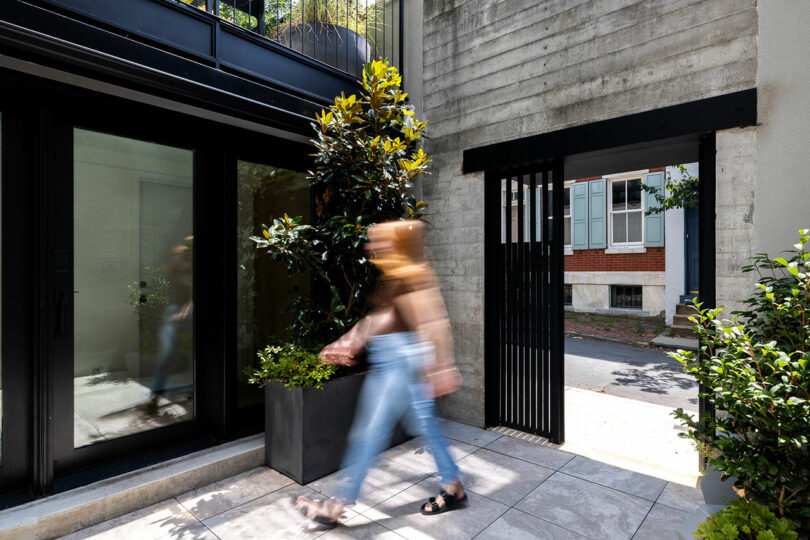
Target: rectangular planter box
306, 429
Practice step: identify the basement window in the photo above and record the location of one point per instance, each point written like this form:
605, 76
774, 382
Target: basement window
625, 296
568, 298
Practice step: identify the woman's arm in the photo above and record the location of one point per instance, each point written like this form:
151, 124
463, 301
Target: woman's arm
380, 321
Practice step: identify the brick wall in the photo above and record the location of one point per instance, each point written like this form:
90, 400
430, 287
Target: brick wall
596, 260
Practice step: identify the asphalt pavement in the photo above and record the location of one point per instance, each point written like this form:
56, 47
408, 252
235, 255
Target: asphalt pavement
644, 374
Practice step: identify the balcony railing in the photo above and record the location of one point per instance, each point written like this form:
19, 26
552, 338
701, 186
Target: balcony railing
344, 34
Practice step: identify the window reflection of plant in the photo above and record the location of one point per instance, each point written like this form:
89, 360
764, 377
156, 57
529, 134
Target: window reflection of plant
257, 185
149, 298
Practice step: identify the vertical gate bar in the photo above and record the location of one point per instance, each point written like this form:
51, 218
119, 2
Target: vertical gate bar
347, 34
521, 323
557, 313
532, 373
507, 357
512, 310
492, 244
507, 228
543, 404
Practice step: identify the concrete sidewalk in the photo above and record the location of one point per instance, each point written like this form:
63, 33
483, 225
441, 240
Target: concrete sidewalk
517, 489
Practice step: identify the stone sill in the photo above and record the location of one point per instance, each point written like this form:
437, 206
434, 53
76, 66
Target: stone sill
82, 507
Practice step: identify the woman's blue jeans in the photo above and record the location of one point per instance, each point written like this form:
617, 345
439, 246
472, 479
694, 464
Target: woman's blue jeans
393, 390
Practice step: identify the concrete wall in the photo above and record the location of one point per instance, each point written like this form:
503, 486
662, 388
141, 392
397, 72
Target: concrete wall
782, 191
500, 70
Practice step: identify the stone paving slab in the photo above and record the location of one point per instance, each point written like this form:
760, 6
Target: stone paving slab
516, 489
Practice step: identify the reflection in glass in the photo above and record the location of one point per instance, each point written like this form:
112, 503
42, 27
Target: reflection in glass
634, 194
619, 228
634, 226
264, 289
618, 195
133, 276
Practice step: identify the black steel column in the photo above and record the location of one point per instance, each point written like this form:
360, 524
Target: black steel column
556, 311
492, 305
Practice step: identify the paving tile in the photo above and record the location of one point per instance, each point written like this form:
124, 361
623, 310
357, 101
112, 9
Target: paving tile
500, 477
401, 514
630, 482
468, 434
210, 500
681, 497
586, 508
360, 527
385, 479
271, 516
163, 520
661, 523
533, 453
415, 455
517, 525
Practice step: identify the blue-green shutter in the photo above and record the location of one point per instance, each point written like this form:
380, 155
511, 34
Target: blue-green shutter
579, 215
653, 224
597, 207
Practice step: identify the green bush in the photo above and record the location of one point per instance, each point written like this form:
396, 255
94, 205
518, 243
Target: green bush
367, 155
744, 520
293, 365
755, 370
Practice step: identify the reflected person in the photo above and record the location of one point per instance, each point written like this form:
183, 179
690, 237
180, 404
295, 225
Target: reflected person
177, 316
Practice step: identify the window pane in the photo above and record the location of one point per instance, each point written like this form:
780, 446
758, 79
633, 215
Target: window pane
619, 228
634, 194
619, 199
133, 308
634, 226
567, 232
264, 290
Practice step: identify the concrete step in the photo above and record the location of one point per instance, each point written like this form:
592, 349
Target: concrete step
685, 309
70, 511
682, 331
682, 320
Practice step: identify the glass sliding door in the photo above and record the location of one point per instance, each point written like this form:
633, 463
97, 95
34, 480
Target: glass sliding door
133, 270
264, 290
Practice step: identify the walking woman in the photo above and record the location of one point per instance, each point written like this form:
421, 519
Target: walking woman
409, 346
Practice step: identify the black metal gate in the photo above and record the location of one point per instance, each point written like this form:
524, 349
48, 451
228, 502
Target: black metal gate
524, 225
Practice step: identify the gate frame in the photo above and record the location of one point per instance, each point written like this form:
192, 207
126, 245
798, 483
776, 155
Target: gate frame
701, 119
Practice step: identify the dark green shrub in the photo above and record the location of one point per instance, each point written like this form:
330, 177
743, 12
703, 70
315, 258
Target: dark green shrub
367, 157
746, 521
755, 369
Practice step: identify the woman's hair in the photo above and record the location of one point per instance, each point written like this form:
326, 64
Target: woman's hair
405, 262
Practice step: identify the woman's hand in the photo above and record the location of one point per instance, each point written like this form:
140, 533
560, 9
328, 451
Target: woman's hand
339, 353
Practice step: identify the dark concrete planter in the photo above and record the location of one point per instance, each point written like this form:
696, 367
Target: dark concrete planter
717, 491
334, 45
306, 429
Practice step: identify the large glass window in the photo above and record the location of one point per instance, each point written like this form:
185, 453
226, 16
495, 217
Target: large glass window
626, 214
264, 289
133, 277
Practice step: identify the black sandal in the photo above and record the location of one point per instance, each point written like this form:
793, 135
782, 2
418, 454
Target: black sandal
451, 502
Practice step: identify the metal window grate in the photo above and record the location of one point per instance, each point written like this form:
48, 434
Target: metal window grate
344, 34
625, 296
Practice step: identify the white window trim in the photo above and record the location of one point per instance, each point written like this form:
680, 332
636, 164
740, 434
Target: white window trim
623, 247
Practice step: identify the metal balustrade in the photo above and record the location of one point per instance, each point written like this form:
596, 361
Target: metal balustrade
344, 34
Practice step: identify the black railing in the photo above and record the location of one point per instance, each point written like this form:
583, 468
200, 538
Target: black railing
344, 34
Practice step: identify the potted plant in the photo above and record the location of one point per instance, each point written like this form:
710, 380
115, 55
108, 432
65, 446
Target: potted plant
367, 154
756, 372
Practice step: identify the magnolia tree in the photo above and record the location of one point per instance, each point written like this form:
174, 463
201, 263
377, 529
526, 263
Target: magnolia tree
367, 157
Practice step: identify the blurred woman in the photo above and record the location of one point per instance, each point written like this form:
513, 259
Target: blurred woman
407, 337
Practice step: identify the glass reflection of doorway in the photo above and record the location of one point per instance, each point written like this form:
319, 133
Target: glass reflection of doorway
133, 275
